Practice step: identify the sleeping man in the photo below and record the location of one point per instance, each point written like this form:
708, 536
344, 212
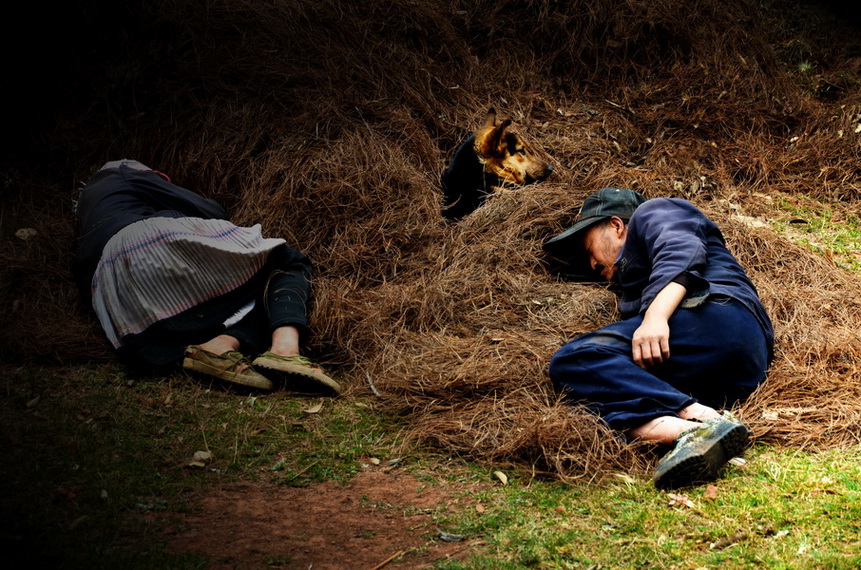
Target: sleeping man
694, 337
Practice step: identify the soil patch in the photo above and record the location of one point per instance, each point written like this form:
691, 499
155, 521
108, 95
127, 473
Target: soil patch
360, 524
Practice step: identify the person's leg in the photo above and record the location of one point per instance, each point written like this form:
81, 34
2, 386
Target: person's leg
667, 429
698, 412
733, 364
285, 341
287, 295
664, 430
164, 343
718, 355
207, 346
280, 321
598, 370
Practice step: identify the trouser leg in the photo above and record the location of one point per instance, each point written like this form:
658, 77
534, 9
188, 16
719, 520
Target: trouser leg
283, 296
718, 355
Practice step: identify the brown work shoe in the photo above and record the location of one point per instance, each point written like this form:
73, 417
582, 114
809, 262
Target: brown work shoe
298, 373
231, 366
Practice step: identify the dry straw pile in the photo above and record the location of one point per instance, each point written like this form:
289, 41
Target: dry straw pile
330, 122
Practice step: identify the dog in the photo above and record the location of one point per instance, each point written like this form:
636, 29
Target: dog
494, 158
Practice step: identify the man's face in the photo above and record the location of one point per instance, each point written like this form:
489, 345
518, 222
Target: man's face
602, 244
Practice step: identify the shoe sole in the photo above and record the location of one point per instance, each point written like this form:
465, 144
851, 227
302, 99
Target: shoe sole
705, 466
300, 378
204, 368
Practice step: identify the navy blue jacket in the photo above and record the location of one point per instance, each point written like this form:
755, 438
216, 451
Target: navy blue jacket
670, 240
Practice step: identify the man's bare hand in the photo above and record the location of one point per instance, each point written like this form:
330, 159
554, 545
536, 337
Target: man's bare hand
651, 343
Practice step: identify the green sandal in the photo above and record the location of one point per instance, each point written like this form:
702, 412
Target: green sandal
231, 366
298, 373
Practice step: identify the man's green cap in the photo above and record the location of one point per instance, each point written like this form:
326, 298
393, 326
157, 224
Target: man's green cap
601, 205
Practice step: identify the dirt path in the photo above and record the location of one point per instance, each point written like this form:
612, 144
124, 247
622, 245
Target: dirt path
363, 524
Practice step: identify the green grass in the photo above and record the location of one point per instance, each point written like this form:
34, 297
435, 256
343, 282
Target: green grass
824, 230
88, 453
783, 509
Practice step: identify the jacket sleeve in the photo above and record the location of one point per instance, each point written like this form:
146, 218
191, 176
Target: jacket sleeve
160, 195
674, 235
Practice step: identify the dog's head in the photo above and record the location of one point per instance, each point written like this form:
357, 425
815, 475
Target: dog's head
493, 158
505, 154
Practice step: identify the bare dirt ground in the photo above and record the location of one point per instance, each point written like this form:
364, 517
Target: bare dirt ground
377, 520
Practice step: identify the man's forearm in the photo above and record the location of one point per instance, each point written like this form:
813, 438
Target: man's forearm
666, 302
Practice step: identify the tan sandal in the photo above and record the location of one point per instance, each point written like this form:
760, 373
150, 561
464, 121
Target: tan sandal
231, 366
299, 373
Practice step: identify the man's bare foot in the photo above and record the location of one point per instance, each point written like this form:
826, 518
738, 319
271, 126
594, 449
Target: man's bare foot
698, 412
664, 430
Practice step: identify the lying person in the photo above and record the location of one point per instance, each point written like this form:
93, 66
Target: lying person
694, 337
172, 280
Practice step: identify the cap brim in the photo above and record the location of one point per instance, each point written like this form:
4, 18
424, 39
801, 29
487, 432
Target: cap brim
567, 240
570, 261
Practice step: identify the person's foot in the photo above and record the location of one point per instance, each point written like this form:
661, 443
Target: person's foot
298, 373
698, 413
231, 366
700, 453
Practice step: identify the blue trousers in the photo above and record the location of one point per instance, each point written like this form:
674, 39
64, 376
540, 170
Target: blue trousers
719, 354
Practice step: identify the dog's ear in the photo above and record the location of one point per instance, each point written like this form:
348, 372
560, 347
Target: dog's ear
493, 143
490, 121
